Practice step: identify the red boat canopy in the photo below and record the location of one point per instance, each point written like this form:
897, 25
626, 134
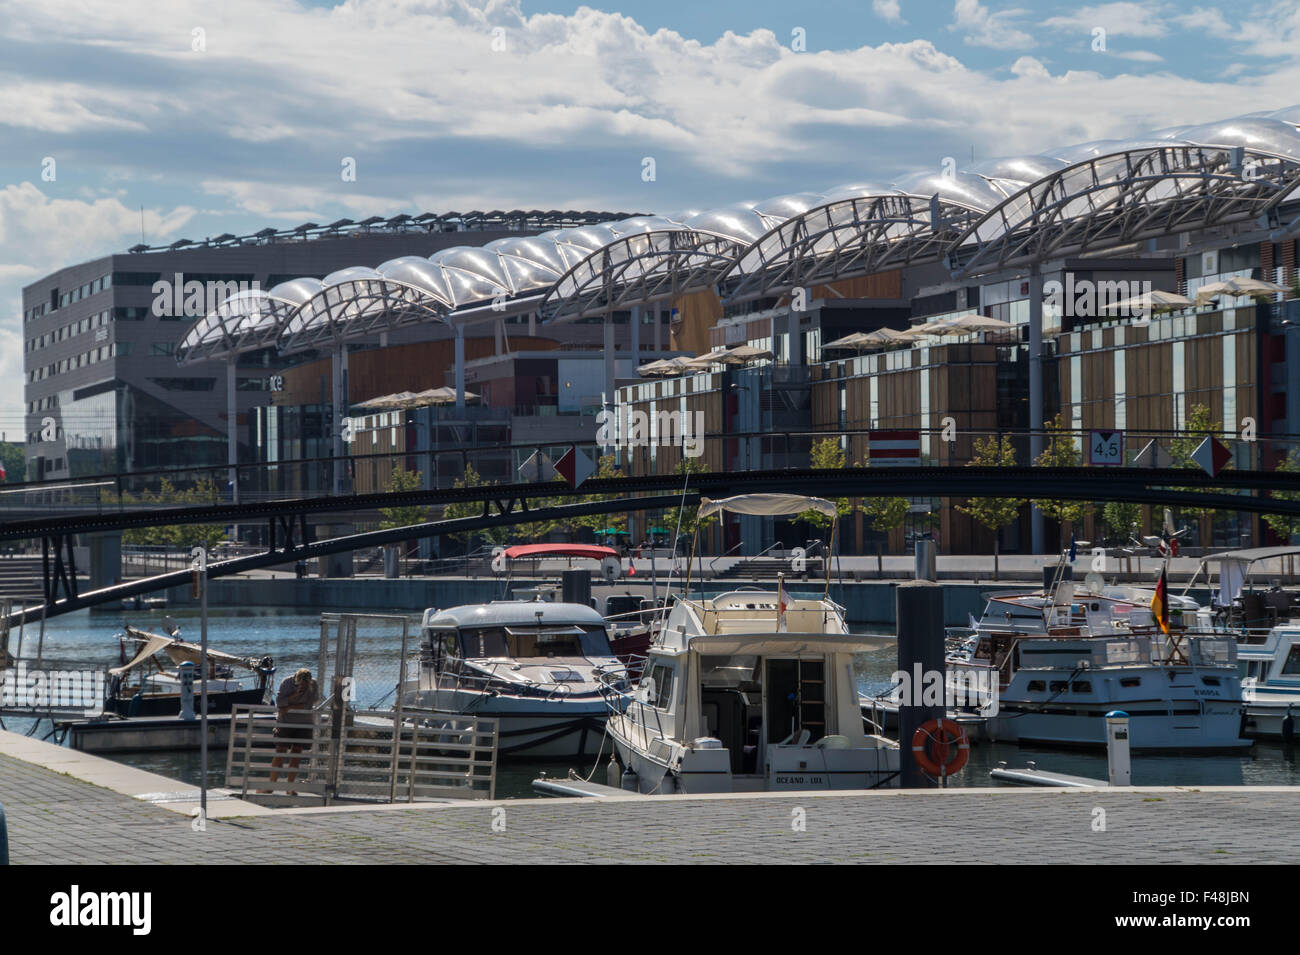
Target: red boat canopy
592, 551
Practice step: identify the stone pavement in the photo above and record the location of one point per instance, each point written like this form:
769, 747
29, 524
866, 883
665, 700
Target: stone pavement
55, 818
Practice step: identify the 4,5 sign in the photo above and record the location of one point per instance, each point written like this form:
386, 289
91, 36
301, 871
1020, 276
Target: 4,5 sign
1106, 448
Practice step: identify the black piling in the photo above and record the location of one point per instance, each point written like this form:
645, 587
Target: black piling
576, 587
921, 658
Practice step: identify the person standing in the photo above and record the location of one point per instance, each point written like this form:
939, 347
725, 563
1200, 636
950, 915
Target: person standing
294, 718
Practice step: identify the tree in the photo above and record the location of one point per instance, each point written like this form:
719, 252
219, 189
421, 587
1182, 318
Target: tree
1286, 526
457, 509
688, 517
1199, 427
1120, 516
827, 455
606, 468
179, 536
14, 460
1061, 453
402, 481
993, 513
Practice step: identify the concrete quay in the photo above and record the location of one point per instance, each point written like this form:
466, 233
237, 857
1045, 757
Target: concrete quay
79, 809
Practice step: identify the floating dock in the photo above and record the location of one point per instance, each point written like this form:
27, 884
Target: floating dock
578, 788
1033, 776
146, 734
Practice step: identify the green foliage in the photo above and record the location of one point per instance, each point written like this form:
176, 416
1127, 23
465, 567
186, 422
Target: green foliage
688, 516
1199, 427
993, 513
181, 536
886, 513
1286, 526
1061, 453
14, 459
1120, 516
401, 481
493, 535
827, 455
606, 468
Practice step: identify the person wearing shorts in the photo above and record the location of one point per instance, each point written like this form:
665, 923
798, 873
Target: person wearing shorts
294, 701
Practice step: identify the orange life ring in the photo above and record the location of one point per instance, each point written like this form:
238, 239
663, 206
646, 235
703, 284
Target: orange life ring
940, 747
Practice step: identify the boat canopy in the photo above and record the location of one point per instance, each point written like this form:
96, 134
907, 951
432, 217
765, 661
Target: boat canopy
178, 651
1234, 567
767, 505
537, 551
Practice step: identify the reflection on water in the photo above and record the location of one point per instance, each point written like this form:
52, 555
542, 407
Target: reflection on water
293, 639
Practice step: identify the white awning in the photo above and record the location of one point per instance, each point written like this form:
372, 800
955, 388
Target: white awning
767, 505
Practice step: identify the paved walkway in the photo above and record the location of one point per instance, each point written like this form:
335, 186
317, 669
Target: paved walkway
56, 818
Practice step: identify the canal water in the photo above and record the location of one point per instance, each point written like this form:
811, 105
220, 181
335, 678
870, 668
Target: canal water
293, 639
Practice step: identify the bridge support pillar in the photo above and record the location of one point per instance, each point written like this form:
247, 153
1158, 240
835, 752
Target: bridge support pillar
1035, 393
105, 560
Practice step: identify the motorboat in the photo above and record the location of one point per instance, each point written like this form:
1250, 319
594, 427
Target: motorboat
534, 665
751, 690
631, 618
1270, 686
1062, 659
149, 683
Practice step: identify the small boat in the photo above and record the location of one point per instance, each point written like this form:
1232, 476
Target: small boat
630, 617
751, 690
1058, 661
149, 683
1270, 687
534, 665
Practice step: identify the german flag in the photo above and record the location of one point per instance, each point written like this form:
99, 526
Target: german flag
1160, 602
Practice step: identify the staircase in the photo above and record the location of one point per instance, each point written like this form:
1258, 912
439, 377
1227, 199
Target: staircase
767, 568
20, 578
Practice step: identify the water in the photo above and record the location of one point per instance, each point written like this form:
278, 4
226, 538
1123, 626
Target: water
293, 639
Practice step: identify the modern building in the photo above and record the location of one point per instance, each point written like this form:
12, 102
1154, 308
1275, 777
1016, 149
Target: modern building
103, 390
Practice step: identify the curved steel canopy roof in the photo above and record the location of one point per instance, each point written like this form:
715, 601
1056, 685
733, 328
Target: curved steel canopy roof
995, 214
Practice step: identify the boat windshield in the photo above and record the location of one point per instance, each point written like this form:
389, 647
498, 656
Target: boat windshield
531, 641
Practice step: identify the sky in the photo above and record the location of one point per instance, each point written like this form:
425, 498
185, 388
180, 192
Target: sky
187, 120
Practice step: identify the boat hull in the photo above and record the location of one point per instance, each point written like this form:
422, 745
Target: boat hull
169, 704
527, 727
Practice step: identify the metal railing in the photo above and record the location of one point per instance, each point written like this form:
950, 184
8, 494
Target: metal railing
370, 755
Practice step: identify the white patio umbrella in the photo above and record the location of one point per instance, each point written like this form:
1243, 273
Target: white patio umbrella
1155, 300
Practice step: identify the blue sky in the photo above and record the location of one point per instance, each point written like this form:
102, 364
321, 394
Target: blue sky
228, 117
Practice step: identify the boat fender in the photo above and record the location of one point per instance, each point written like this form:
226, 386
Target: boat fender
940, 747
1288, 726
629, 781
613, 774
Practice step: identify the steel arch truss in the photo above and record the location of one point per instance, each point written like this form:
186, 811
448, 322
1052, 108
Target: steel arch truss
846, 239
1124, 197
244, 322
638, 269
358, 307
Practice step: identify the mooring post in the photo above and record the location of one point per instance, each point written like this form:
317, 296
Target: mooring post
1117, 753
919, 606
187, 690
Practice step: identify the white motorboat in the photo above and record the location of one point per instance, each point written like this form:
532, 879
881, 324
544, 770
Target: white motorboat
1062, 659
1270, 687
751, 690
538, 667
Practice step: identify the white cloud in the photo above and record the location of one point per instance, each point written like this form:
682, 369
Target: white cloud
1138, 56
45, 234
887, 10
980, 27
1144, 19
560, 119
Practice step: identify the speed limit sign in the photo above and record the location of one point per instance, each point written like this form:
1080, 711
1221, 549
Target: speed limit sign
1106, 448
